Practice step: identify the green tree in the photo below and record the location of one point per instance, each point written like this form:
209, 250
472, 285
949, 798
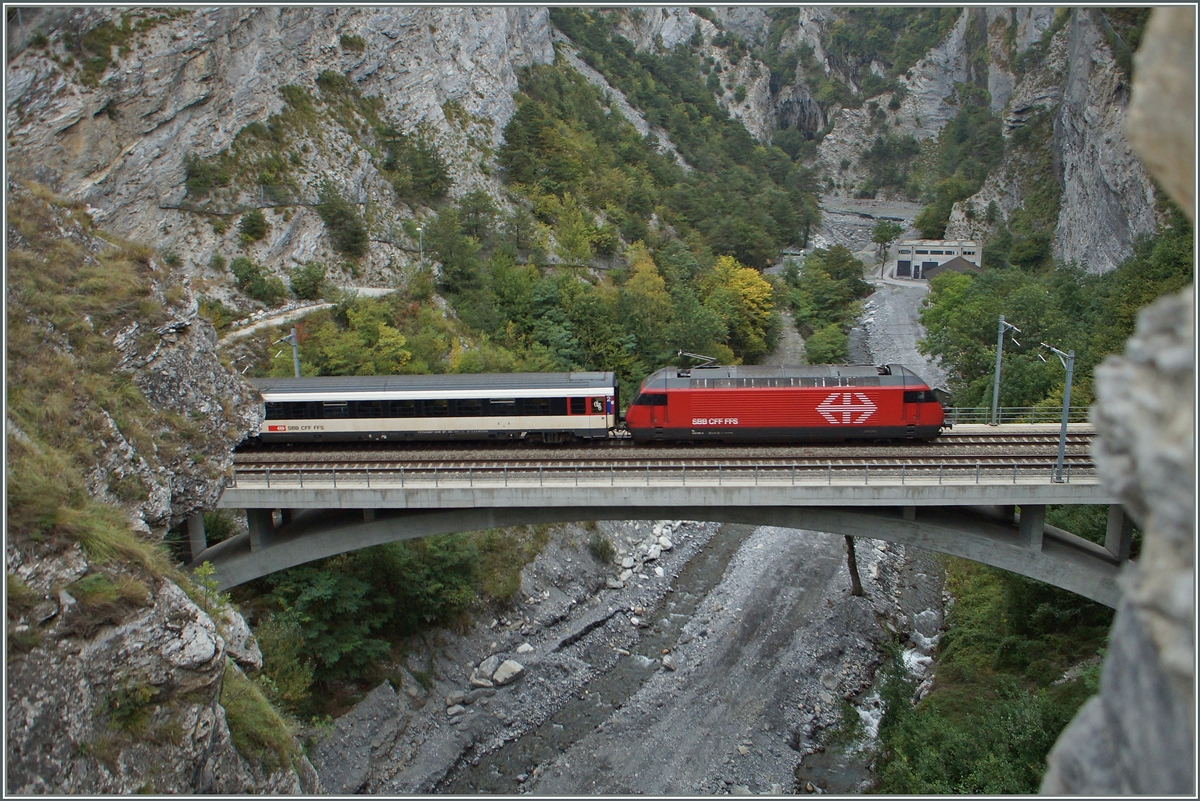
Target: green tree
458, 251
478, 213
308, 280
347, 231
281, 640
646, 304
828, 345
253, 226
745, 301
574, 233
886, 232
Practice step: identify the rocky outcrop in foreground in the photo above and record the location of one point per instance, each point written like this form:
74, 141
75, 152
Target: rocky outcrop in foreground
117, 679
1138, 735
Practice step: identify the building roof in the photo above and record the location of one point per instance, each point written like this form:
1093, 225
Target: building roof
958, 264
952, 243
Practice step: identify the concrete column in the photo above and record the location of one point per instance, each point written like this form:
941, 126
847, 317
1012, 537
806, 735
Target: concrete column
1031, 525
196, 538
286, 515
1119, 537
261, 523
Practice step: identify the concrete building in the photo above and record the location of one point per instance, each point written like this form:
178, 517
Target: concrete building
915, 256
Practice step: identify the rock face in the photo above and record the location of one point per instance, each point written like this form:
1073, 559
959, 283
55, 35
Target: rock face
116, 696
128, 706
189, 84
1138, 735
344, 758
1107, 198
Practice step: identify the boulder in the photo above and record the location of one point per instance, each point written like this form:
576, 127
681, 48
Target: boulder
488, 666
508, 672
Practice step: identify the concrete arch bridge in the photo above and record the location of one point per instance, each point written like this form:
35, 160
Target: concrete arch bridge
994, 515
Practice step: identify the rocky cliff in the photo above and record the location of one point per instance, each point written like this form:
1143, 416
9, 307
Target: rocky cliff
111, 120
119, 426
186, 84
1138, 734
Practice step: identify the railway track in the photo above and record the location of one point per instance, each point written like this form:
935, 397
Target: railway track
1025, 448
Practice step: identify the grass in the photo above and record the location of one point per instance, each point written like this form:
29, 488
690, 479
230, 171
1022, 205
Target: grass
67, 393
259, 732
503, 554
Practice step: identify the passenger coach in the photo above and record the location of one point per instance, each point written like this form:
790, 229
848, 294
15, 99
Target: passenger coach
550, 407
804, 403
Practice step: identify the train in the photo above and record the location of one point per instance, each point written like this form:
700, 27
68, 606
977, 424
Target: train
809, 403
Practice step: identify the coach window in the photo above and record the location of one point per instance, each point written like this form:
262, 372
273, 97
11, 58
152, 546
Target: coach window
558, 406
336, 409
436, 408
402, 408
597, 405
537, 406
468, 407
578, 405
504, 407
368, 409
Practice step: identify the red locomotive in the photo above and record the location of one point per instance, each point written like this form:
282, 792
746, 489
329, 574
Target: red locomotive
804, 403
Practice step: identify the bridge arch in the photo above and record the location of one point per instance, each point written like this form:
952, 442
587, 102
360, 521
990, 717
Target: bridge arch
995, 536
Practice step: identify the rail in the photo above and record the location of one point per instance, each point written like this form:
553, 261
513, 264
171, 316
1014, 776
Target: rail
887, 473
1016, 414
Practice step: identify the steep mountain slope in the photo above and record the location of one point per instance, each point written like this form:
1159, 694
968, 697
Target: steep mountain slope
118, 136
121, 674
109, 109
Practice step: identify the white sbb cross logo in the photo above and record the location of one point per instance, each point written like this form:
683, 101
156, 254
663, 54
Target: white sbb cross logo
849, 406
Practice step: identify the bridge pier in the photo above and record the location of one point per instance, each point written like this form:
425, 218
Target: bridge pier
1031, 526
197, 540
261, 523
1119, 536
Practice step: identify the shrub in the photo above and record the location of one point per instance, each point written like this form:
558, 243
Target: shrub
352, 43
601, 548
308, 280
130, 704
346, 228
255, 283
202, 175
254, 226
